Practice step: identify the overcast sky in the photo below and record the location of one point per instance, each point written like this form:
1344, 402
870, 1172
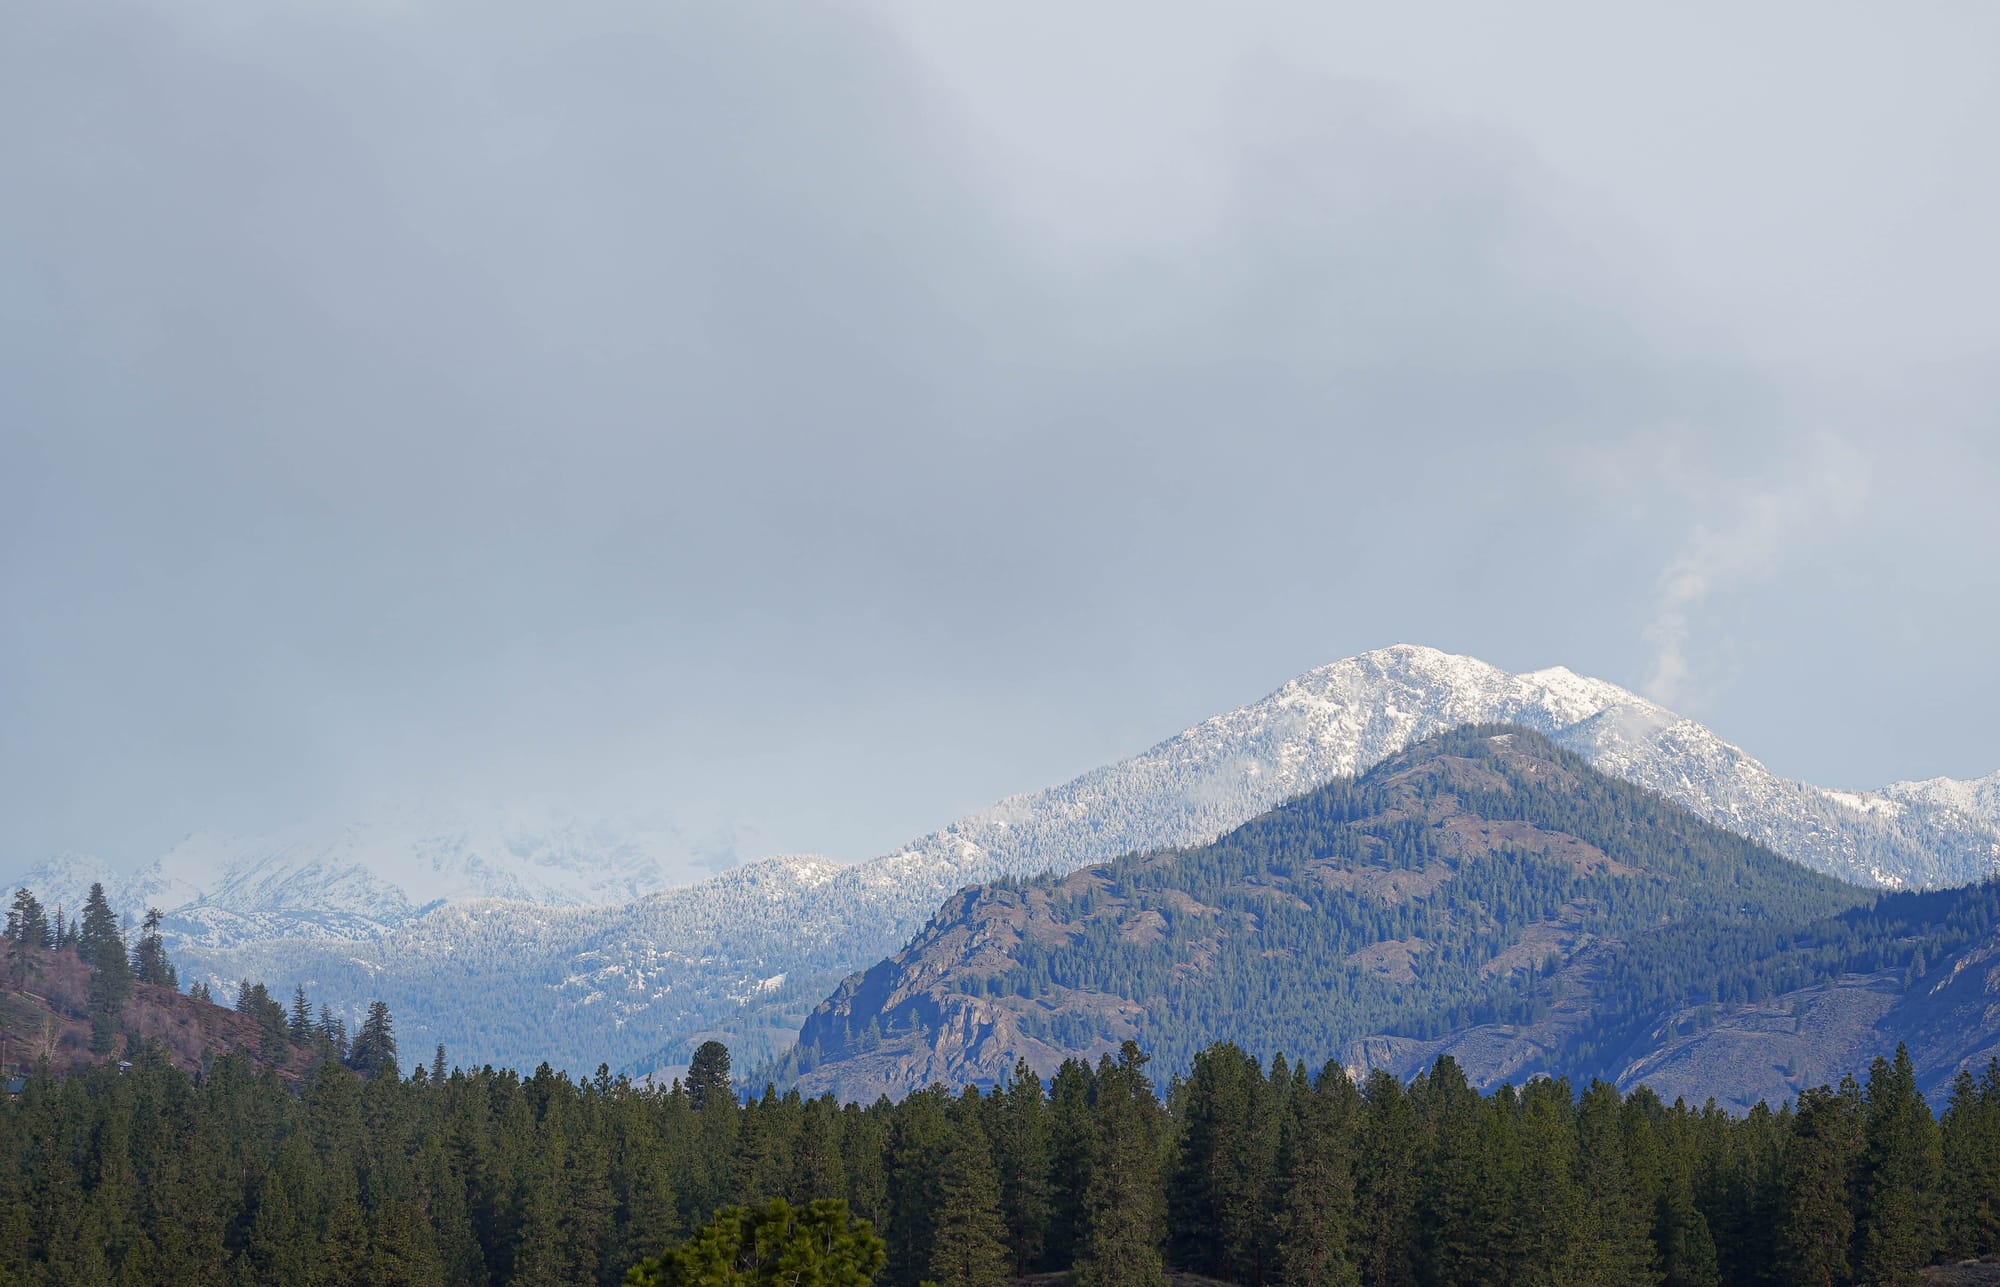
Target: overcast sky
834, 418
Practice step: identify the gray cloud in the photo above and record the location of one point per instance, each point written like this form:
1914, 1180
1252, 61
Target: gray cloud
834, 422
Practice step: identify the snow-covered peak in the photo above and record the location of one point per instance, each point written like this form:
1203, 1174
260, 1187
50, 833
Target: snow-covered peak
688, 962
1974, 797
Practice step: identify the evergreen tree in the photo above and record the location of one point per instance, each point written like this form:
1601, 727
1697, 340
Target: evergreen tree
1680, 1227
1821, 1152
99, 942
1386, 1216
23, 961
771, 1245
438, 1066
1124, 1201
1316, 1184
1021, 1155
1219, 1200
66, 931
299, 1026
708, 1077
968, 1243
333, 1035
815, 1169
1457, 1245
149, 954
1553, 1217
1971, 1148
1900, 1177
102, 947
374, 1053
1616, 1246
1072, 1158
28, 922
918, 1131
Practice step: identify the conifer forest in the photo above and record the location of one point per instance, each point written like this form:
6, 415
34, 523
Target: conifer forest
1241, 1171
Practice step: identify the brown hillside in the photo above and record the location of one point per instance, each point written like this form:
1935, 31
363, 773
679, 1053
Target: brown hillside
45, 1020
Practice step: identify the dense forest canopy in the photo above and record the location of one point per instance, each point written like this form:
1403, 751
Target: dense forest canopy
1248, 1172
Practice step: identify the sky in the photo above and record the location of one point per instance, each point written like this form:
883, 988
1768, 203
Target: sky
815, 422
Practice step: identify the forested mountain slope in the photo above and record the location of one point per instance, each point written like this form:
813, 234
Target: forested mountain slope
1484, 893
745, 955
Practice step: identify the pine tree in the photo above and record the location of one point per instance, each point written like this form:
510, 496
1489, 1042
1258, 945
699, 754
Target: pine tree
299, 1026
918, 1130
28, 922
1021, 1154
1971, 1147
968, 1244
756, 1162
1456, 1246
374, 1053
100, 942
1617, 1244
1553, 1216
815, 1170
1072, 1158
1387, 1230
102, 947
771, 1244
23, 961
1125, 1203
1821, 1152
333, 1035
1680, 1230
66, 931
1219, 1201
149, 954
1900, 1177
708, 1077
1315, 1186
438, 1066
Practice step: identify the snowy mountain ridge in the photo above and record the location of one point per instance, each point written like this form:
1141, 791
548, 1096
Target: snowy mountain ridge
543, 967
352, 880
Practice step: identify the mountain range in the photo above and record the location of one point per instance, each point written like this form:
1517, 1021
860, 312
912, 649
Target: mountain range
1483, 894
512, 953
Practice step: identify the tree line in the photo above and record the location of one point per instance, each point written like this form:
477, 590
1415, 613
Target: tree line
1248, 1172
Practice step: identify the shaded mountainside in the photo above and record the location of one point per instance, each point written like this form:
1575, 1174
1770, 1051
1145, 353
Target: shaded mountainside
743, 956
1484, 893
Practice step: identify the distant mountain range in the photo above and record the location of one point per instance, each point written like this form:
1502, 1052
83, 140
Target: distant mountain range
515, 947
1483, 894
357, 880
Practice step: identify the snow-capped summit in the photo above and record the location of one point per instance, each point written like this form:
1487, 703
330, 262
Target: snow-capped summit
1341, 718
745, 953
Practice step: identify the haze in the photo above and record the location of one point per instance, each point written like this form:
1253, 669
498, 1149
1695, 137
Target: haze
825, 420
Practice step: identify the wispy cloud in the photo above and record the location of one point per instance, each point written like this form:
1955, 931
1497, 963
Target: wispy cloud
1760, 527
